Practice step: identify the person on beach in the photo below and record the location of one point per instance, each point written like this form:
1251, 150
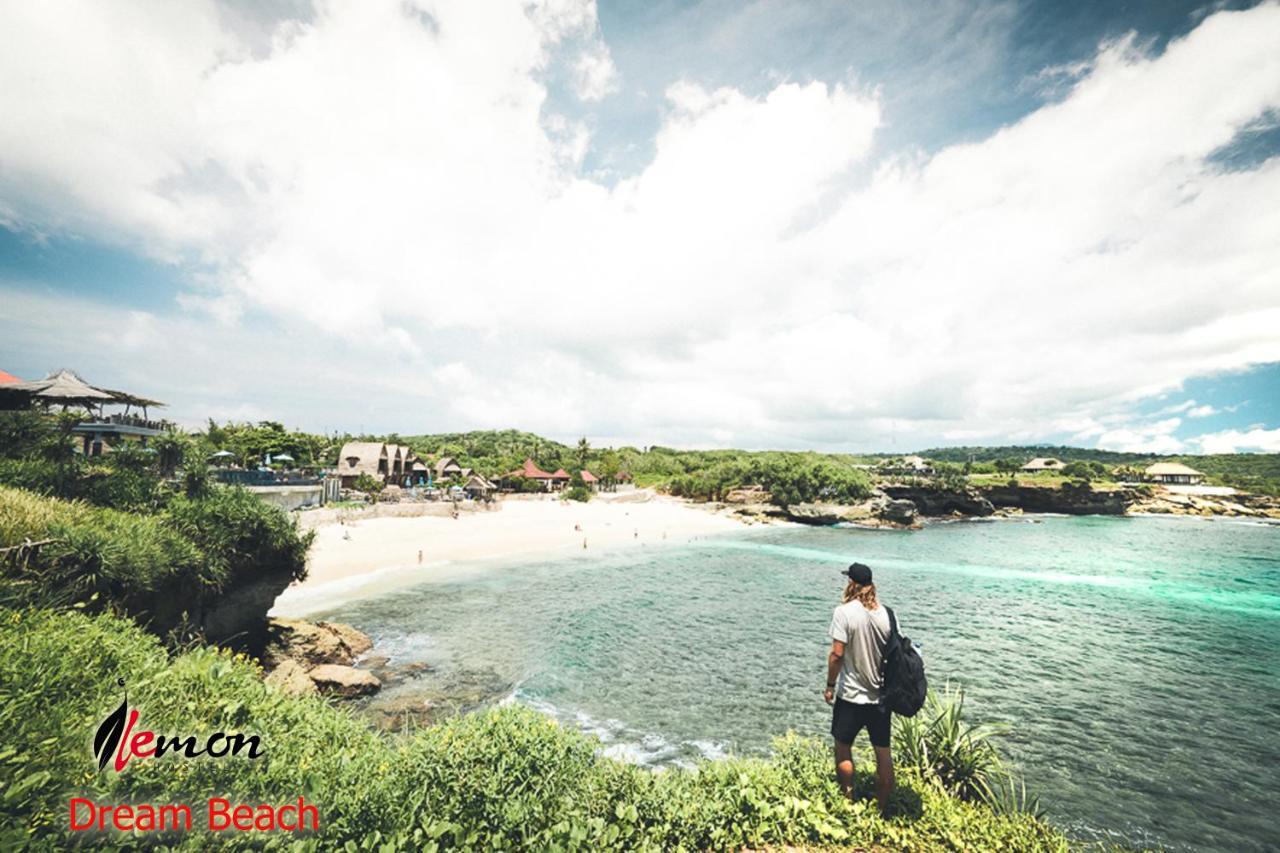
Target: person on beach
859, 631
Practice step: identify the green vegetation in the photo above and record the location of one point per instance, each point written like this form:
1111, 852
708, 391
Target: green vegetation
503, 779
99, 557
129, 531
1254, 472
577, 490
940, 744
251, 443
790, 478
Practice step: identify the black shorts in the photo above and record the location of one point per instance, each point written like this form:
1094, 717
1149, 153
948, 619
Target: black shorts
848, 718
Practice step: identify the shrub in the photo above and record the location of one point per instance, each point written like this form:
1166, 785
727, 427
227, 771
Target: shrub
939, 743
508, 778
240, 534
102, 557
96, 554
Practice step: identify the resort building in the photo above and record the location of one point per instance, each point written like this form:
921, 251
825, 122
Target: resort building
394, 464
530, 471
478, 487
592, 481
560, 479
447, 466
1173, 474
1043, 463
363, 457
100, 431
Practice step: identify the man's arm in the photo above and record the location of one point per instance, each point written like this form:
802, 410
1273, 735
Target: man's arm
834, 659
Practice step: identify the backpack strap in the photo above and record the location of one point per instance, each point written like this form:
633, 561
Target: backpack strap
893, 621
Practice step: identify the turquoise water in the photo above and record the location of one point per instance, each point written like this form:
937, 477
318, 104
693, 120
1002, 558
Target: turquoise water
1137, 659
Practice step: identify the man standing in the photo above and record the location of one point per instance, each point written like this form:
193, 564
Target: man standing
859, 631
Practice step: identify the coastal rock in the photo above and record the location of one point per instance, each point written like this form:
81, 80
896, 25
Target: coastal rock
933, 500
314, 643
748, 495
291, 678
812, 513
897, 511
346, 681
1068, 499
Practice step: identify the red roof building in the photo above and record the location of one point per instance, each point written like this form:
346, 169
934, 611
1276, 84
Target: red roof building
588, 477
561, 474
531, 470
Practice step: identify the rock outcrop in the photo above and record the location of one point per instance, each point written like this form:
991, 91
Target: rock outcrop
314, 643
940, 501
345, 681
896, 511
308, 657
1231, 506
291, 677
1068, 499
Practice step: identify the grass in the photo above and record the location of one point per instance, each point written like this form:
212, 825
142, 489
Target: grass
508, 778
102, 557
1044, 481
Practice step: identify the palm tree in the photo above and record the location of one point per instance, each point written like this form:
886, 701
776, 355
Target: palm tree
583, 449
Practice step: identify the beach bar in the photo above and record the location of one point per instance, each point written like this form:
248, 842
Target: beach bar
102, 431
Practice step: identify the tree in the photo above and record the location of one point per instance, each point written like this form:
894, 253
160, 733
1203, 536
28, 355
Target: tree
610, 467
582, 451
578, 490
1086, 471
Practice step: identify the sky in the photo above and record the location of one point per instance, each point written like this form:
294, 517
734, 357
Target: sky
867, 226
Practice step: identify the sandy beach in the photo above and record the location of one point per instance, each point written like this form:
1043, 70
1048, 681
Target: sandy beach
368, 556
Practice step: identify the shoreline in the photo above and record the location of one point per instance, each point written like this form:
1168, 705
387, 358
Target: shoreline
365, 554
359, 557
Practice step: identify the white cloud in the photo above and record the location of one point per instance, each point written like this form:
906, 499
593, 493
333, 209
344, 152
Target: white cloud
390, 175
1202, 411
1149, 438
1240, 441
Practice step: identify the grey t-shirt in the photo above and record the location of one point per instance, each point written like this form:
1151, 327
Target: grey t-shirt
864, 634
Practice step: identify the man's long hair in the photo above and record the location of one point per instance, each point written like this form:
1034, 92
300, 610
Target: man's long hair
865, 593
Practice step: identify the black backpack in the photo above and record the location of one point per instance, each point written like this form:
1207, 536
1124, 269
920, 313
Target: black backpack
902, 681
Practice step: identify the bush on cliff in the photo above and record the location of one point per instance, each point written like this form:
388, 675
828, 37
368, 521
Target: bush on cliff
100, 557
503, 779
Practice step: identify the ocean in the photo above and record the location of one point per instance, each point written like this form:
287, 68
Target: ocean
1137, 659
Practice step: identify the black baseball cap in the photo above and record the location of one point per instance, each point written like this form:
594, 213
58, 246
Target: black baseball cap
859, 573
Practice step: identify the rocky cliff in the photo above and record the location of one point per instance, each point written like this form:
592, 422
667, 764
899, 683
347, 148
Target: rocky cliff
939, 501
1068, 499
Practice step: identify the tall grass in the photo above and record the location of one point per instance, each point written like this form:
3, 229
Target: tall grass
102, 557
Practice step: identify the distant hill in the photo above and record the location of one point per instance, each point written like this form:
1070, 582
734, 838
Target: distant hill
497, 451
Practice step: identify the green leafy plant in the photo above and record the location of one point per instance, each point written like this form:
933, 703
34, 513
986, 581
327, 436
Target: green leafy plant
941, 744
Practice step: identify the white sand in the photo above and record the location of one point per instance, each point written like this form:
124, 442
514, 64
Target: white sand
370, 556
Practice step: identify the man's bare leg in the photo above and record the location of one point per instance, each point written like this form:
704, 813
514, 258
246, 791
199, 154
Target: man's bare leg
844, 768
884, 775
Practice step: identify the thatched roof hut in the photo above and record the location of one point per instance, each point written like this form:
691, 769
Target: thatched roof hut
363, 457
447, 466
1174, 473
1044, 463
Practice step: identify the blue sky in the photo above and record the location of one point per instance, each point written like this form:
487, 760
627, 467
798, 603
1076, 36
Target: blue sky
773, 224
